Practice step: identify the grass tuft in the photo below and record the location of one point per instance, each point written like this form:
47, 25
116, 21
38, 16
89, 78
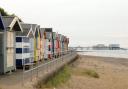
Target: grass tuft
57, 79
91, 73
61, 77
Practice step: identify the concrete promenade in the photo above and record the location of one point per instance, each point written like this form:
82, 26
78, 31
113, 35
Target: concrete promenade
27, 79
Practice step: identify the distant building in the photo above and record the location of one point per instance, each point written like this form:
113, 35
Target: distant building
100, 47
114, 46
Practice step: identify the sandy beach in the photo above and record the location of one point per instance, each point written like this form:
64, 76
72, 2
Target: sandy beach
113, 73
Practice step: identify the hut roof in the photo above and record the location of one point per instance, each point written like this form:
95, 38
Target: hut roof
34, 28
48, 29
37, 31
42, 31
12, 22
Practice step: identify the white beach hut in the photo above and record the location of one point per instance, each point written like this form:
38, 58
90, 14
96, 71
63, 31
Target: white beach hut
24, 46
7, 43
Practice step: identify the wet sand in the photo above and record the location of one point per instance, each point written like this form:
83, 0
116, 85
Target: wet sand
113, 73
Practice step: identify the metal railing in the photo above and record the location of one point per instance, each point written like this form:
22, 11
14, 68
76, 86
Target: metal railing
41, 69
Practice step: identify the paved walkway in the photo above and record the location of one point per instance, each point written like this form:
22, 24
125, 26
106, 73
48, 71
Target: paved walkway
16, 80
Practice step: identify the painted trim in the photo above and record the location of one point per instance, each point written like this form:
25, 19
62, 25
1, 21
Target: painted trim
30, 31
14, 22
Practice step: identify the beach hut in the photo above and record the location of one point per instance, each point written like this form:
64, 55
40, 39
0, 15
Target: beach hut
62, 44
24, 46
59, 40
48, 54
65, 44
39, 44
42, 42
58, 45
54, 44
7, 42
36, 42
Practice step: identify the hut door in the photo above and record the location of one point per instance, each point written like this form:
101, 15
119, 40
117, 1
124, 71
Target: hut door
10, 49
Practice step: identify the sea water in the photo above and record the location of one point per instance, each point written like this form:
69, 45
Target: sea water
106, 53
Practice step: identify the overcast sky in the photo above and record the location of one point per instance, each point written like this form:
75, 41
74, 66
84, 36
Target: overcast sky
85, 22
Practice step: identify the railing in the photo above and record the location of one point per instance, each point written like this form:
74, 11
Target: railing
41, 69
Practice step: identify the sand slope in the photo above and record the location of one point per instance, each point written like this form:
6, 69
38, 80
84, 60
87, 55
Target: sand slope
113, 74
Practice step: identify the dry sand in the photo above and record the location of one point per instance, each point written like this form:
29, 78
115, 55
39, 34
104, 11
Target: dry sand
113, 74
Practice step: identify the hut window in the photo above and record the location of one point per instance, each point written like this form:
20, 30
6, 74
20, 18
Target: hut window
18, 50
25, 40
18, 39
26, 50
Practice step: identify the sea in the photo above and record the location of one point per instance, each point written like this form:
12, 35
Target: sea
106, 53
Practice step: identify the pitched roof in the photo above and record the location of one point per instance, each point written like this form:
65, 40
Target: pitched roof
26, 28
34, 28
42, 31
48, 29
8, 21
37, 30
12, 22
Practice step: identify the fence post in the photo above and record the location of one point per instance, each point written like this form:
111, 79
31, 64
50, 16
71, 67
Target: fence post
37, 66
31, 73
47, 67
56, 64
62, 59
31, 70
23, 72
50, 65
